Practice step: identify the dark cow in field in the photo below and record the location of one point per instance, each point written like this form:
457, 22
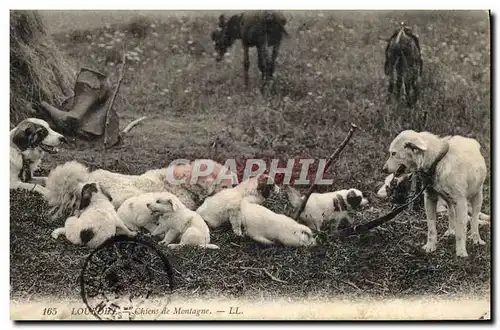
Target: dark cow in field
402, 55
260, 29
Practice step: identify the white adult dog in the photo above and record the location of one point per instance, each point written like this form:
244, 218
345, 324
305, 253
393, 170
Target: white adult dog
225, 205
325, 207
457, 171
135, 214
177, 220
28, 143
96, 222
121, 187
267, 227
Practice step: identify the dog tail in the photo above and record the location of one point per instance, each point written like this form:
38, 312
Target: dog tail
484, 219
211, 246
294, 197
63, 185
86, 235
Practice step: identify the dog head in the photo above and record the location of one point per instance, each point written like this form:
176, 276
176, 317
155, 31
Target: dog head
346, 200
266, 186
162, 206
34, 133
306, 237
406, 153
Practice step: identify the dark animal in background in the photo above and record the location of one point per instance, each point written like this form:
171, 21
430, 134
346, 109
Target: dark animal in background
402, 55
260, 29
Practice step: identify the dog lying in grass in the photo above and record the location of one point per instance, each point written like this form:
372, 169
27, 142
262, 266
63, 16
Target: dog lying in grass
28, 143
456, 170
392, 183
266, 227
136, 215
327, 207
192, 194
96, 222
122, 187
175, 220
225, 205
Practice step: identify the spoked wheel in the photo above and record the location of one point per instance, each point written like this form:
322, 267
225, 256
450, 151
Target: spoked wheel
121, 274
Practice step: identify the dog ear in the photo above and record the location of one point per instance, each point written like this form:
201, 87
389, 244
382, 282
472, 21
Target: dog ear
106, 193
24, 135
86, 195
417, 144
40, 134
353, 199
170, 202
222, 21
175, 207
265, 189
339, 203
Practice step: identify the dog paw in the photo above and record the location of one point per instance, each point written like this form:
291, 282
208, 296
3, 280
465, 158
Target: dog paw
462, 254
476, 239
54, 234
449, 232
429, 247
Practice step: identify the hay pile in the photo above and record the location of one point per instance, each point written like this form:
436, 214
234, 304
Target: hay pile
38, 71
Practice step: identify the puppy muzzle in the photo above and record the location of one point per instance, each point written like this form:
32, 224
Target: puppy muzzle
153, 211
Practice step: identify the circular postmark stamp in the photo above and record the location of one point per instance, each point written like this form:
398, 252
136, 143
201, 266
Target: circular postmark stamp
122, 274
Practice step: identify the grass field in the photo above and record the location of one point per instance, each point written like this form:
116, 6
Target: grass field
329, 73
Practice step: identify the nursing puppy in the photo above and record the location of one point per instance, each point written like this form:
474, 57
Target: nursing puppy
225, 205
177, 220
95, 222
267, 227
457, 171
28, 143
136, 215
392, 183
326, 207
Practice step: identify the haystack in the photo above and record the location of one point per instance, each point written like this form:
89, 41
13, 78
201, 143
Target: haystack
38, 70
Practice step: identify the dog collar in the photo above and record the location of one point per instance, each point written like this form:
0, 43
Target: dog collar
428, 174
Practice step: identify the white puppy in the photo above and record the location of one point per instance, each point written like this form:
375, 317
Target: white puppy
225, 205
457, 171
267, 227
28, 143
177, 220
96, 222
135, 214
322, 208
